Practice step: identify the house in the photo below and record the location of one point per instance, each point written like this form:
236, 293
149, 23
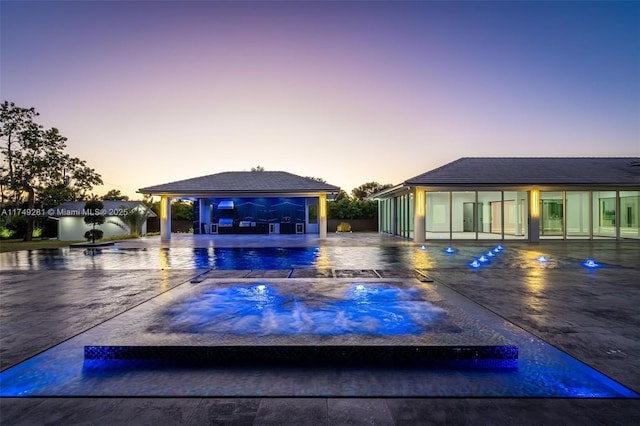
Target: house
258, 202
71, 226
527, 199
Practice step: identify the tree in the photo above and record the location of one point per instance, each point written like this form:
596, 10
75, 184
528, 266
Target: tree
115, 195
257, 169
341, 195
35, 164
367, 189
181, 210
352, 209
134, 219
14, 121
317, 179
93, 216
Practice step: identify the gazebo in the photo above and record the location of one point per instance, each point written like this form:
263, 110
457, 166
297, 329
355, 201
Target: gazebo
257, 202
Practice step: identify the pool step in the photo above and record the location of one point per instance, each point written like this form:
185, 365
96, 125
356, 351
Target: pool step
303, 356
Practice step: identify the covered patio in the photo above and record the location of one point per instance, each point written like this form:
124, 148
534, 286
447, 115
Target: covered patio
266, 202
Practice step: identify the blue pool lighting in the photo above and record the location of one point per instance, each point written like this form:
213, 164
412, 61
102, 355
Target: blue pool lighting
542, 259
490, 254
483, 259
423, 247
262, 309
590, 263
449, 250
498, 248
475, 263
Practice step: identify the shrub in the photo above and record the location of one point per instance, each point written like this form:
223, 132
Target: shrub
343, 227
6, 233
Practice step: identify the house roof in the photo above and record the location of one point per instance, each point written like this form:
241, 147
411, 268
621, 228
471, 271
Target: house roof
76, 208
242, 182
620, 171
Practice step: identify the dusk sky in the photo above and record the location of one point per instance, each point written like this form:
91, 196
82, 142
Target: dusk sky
152, 92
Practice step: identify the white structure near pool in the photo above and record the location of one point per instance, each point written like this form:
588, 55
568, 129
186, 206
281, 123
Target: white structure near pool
517, 198
71, 226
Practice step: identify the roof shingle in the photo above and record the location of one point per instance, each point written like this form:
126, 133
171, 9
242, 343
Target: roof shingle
267, 181
529, 170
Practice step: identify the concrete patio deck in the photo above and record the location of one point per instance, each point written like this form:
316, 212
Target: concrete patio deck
592, 316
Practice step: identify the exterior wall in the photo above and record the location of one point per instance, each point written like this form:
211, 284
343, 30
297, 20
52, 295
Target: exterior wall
72, 228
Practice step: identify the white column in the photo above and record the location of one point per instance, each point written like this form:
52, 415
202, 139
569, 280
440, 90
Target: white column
165, 218
419, 208
534, 215
322, 216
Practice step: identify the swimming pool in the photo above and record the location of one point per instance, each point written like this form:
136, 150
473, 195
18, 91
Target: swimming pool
542, 369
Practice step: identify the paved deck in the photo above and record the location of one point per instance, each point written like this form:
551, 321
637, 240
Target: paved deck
592, 316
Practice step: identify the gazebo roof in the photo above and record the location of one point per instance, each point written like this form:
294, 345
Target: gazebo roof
268, 182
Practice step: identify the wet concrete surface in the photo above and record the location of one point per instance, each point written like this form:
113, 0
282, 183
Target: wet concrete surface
590, 314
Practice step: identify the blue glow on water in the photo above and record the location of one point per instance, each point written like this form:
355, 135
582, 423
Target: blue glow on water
260, 309
483, 259
542, 259
423, 247
490, 254
262, 258
449, 250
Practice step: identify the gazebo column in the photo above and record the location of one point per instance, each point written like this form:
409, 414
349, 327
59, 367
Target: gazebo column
322, 223
534, 216
419, 208
165, 218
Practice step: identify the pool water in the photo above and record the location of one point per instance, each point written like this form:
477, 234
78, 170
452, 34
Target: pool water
261, 309
274, 258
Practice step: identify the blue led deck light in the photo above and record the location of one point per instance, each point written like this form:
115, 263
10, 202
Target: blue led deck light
449, 250
542, 259
423, 247
490, 254
483, 259
498, 248
475, 264
590, 263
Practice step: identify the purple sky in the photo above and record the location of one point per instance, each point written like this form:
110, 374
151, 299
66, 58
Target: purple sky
152, 92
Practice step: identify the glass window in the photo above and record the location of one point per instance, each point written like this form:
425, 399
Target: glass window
385, 216
437, 222
577, 217
629, 208
411, 215
604, 214
489, 215
552, 214
516, 213
313, 213
400, 215
464, 215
